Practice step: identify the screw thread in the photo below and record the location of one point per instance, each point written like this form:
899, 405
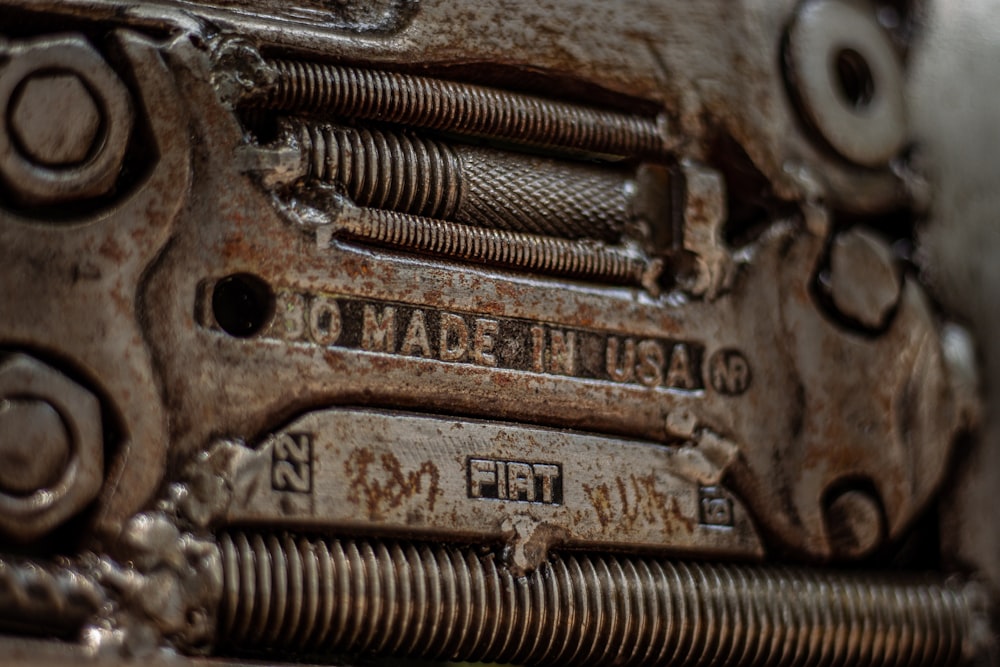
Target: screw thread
540, 254
439, 602
456, 107
384, 169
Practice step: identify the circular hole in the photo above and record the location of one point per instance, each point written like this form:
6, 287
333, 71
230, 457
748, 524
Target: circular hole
242, 304
856, 83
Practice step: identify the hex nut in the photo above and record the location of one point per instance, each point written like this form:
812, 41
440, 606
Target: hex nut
34, 446
55, 119
854, 524
74, 467
865, 282
51, 149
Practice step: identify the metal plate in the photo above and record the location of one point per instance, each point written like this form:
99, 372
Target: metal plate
355, 472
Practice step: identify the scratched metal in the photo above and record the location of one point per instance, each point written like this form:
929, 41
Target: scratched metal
338, 322
376, 472
651, 242
351, 326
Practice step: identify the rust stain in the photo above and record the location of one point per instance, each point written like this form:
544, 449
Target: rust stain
637, 501
630, 510
674, 515
113, 251
507, 291
600, 499
381, 490
665, 506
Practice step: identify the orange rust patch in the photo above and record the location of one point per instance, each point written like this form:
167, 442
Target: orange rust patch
112, 250
382, 490
600, 499
639, 502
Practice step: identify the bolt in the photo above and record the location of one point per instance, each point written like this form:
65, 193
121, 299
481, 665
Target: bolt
51, 447
854, 524
50, 598
34, 446
55, 119
865, 280
68, 120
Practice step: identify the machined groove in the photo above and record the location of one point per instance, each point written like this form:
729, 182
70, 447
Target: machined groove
475, 186
527, 252
347, 92
360, 597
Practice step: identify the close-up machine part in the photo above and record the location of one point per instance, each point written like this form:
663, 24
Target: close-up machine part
415, 332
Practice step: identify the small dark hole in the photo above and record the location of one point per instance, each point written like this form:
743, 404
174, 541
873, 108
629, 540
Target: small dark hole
856, 83
242, 304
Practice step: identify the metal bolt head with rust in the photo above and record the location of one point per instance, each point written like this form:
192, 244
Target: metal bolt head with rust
865, 281
855, 525
55, 119
51, 448
34, 446
69, 120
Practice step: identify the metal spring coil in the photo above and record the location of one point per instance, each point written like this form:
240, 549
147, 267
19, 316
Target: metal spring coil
461, 108
385, 170
346, 596
474, 186
541, 254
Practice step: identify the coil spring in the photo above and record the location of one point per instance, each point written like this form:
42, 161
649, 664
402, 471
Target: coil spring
456, 107
542, 254
440, 602
385, 170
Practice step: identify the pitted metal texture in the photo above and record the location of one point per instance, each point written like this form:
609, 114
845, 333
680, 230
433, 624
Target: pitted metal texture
549, 332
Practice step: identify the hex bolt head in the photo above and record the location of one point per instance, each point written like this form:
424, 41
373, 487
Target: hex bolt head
865, 281
854, 524
51, 447
34, 446
55, 119
67, 123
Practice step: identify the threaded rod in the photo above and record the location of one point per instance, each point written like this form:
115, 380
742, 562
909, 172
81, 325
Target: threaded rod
528, 252
346, 596
384, 169
460, 108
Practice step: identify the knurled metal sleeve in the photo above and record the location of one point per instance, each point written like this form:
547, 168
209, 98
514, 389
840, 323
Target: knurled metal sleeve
334, 91
526, 252
476, 186
312, 595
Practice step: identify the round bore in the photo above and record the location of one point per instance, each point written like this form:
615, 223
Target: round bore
242, 304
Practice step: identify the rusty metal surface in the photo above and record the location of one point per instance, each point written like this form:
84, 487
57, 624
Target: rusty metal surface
533, 489
641, 278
